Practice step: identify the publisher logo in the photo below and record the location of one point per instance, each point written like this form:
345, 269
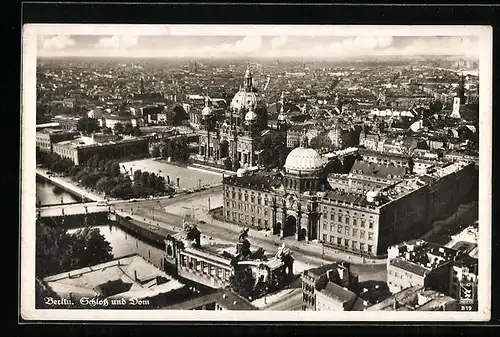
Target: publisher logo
467, 293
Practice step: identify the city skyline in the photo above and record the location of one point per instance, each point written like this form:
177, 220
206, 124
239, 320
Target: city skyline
214, 41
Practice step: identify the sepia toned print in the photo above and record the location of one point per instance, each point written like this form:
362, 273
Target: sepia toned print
285, 171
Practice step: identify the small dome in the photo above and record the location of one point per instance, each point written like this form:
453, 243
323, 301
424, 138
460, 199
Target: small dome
371, 196
207, 111
281, 117
305, 160
250, 116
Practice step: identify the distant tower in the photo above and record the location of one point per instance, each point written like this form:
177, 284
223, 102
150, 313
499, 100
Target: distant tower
142, 85
195, 67
459, 98
281, 117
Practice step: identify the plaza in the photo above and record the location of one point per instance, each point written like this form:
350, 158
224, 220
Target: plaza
189, 178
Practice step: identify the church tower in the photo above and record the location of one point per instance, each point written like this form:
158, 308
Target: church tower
282, 124
459, 98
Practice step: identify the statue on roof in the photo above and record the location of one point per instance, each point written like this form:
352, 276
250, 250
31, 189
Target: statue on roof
243, 234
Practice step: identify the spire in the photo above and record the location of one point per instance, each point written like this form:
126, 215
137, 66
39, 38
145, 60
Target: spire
247, 81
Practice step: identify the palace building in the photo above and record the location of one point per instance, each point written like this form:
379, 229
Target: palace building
236, 133
379, 203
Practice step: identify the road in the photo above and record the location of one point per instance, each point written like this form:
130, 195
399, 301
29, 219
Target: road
57, 210
211, 228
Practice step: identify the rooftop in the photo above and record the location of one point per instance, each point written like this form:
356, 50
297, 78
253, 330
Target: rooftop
129, 277
81, 143
258, 180
225, 298
321, 270
368, 152
338, 293
377, 170
420, 257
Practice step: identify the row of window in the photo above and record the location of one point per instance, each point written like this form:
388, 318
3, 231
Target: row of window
348, 231
246, 197
239, 217
348, 244
245, 207
308, 299
355, 221
399, 275
308, 287
43, 144
205, 268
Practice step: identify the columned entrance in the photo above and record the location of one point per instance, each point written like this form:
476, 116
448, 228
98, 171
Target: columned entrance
290, 227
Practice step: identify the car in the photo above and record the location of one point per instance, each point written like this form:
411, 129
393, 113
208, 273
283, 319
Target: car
132, 200
202, 222
102, 203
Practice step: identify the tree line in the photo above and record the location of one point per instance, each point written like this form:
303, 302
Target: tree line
104, 175
177, 149
58, 251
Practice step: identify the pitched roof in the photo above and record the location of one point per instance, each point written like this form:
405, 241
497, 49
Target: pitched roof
338, 293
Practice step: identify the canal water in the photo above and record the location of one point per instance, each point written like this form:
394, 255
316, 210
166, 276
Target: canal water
122, 242
49, 194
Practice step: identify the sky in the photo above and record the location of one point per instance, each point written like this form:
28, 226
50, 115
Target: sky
282, 45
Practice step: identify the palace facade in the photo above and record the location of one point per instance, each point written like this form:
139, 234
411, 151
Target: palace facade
379, 203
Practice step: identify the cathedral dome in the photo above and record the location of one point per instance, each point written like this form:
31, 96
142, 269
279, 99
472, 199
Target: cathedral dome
303, 160
246, 97
243, 100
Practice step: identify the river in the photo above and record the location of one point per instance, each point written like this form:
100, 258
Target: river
122, 243
48, 193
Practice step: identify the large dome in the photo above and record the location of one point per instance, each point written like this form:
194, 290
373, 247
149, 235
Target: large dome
243, 100
303, 160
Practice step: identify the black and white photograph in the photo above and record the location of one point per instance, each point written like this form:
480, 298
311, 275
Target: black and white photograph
275, 170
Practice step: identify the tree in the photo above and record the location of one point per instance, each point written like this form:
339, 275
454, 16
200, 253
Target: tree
128, 129
106, 130
118, 128
242, 282
104, 184
91, 247
87, 125
57, 251
156, 151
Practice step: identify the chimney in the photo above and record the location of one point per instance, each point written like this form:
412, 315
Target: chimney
135, 275
224, 296
178, 182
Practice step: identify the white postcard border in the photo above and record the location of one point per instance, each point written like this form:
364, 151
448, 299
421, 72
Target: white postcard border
32, 32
